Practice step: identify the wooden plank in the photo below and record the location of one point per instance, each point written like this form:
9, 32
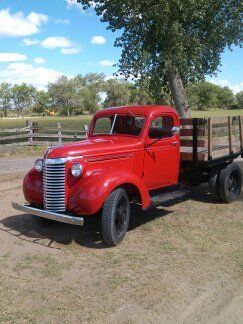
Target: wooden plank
241, 132
186, 121
189, 143
189, 121
13, 137
230, 134
189, 132
210, 139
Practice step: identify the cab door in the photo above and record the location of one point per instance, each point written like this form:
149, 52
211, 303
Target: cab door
162, 152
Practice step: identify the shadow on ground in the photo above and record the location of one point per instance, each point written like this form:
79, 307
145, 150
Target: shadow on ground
24, 227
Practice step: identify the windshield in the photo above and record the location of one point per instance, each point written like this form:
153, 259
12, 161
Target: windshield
119, 125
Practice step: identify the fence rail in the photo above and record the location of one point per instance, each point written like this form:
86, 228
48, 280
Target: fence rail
34, 134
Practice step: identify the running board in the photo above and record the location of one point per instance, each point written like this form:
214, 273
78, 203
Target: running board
168, 197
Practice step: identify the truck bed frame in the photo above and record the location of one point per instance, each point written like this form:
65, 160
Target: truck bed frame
209, 144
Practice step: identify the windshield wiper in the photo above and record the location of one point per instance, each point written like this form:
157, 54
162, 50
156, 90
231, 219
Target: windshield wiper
135, 118
113, 124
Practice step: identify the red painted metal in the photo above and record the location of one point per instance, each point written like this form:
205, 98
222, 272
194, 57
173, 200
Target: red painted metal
111, 161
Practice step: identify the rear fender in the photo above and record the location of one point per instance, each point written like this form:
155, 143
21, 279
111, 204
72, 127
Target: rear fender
89, 194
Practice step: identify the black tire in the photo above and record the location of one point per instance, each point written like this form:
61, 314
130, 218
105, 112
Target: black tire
115, 217
214, 187
230, 183
44, 222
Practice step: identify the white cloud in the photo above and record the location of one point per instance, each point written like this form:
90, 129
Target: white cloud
18, 25
236, 87
56, 42
106, 63
62, 21
71, 50
17, 73
28, 42
12, 57
98, 40
79, 6
74, 3
39, 60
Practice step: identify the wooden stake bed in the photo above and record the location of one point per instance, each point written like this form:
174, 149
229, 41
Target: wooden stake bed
207, 139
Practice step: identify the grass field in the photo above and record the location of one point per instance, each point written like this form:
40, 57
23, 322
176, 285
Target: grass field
217, 113
66, 122
78, 122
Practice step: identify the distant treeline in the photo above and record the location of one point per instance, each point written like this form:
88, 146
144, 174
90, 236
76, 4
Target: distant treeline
88, 93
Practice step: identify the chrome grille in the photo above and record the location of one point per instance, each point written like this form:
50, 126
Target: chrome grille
54, 179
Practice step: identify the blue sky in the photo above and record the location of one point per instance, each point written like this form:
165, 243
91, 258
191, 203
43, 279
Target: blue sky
41, 40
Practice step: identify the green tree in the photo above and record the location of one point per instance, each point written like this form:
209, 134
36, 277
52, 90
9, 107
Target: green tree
171, 41
23, 97
42, 102
239, 99
203, 96
226, 97
118, 93
88, 90
5, 97
147, 94
62, 95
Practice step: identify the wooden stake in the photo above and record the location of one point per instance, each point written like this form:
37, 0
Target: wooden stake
230, 134
210, 139
241, 132
30, 124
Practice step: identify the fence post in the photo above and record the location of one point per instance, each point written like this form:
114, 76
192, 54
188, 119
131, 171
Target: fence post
59, 127
30, 125
35, 130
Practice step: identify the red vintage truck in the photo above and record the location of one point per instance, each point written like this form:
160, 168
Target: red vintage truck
135, 154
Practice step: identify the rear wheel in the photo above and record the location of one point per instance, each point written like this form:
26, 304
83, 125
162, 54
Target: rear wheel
214, 186
115, 217
230, 183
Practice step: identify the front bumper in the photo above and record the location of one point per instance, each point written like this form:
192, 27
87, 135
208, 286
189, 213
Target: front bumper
74, 220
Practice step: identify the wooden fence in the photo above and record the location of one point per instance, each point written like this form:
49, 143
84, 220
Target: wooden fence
33, 134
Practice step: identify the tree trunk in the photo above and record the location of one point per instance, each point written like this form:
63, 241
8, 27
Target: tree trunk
178, 93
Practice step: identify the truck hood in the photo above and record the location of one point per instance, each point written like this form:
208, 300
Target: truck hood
94, 146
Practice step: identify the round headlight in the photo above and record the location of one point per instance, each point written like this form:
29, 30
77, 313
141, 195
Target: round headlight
76, 170
39, 165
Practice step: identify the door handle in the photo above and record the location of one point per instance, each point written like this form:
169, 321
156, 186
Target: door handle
175, 143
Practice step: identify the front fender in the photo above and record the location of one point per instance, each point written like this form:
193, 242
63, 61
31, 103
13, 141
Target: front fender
88, 195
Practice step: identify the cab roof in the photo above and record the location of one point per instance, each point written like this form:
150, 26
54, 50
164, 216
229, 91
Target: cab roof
146, 110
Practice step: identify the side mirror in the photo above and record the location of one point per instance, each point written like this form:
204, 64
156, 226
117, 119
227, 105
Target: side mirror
175, 130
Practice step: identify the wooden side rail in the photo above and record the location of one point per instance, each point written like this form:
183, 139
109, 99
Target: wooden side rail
207, 139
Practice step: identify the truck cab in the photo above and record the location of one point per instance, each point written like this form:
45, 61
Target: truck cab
130, 155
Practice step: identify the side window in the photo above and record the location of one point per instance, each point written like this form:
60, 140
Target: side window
161, 127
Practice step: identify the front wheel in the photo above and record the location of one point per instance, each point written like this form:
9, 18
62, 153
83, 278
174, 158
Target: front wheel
115, 217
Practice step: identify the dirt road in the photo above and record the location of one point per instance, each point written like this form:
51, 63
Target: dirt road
13, 165
181, 264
